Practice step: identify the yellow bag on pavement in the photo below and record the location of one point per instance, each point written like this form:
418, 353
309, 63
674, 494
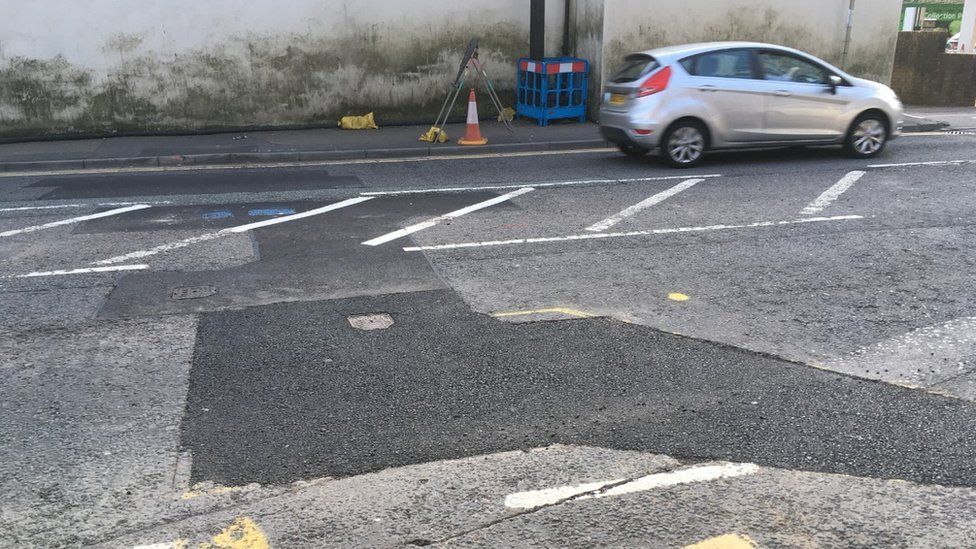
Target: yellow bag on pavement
434, 134
364, 122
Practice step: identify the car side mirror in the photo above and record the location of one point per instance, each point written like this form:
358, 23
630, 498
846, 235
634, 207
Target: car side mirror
835, 81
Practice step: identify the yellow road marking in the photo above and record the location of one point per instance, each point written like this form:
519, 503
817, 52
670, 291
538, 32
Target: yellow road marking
196, 492
265, 165
243, 533
728, 541
558, 310
675, 296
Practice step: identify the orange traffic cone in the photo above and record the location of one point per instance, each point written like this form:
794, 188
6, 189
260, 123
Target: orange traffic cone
472, 134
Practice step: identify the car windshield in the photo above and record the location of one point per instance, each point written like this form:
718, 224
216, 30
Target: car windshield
633, 67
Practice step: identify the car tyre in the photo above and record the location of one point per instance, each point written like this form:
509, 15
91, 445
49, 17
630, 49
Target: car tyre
868, 136
684, 144
633, 150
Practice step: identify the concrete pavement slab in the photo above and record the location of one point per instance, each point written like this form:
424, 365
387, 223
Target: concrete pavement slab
90, 426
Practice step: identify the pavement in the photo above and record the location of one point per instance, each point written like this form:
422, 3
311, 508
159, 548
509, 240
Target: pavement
323, 144
305, 145
534, 348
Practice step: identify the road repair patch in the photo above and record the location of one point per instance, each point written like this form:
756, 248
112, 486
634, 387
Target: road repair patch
292, 391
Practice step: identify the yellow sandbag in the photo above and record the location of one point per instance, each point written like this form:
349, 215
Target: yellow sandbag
434, 134
364, 122
507, 115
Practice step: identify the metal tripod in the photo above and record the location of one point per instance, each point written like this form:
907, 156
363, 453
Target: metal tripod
470, 62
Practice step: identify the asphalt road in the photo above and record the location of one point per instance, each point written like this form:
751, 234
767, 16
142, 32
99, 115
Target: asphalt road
575, 349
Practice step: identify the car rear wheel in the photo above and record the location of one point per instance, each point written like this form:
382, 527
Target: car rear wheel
633, 150
868, 136
684, 144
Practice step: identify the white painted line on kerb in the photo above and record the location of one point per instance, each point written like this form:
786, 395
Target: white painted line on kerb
434, 221
87, 270
643, 205
580, 182
932, 163
116, 211
594, 236
596, 490
232, 230
833, 193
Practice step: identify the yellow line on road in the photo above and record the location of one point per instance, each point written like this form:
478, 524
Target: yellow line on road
266, 165
728, 541
557, 310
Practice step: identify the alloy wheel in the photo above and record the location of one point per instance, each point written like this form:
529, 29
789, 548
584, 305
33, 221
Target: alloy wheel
686, 145
869, 136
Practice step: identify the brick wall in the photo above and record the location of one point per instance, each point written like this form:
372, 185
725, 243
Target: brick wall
925, 75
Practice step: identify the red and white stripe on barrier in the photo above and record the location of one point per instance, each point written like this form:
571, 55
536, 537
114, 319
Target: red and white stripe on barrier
553, 68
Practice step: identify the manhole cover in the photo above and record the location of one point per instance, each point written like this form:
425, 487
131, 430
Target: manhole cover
375, 321
193, 292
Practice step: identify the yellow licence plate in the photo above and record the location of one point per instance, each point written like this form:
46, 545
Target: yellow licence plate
617, 99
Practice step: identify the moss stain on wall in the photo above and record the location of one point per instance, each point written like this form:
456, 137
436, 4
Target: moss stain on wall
256, 80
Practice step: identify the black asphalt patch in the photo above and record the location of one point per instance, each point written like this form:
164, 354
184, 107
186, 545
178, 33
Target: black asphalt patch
313, 258
292, 391
192, 182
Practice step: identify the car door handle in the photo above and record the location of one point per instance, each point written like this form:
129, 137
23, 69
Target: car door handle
707, 88
782, 93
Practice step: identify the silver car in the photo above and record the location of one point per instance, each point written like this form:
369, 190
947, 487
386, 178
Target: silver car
687, 100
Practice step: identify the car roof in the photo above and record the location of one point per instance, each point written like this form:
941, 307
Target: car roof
669, 53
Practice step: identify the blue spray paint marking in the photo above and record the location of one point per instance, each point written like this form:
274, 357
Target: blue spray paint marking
271, 211
219, 214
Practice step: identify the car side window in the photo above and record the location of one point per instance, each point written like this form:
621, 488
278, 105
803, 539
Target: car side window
782, 67
721, 64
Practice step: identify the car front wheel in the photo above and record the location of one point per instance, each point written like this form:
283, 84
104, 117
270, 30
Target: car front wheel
867, 137
684, 144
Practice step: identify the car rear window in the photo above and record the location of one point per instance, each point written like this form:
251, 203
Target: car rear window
634, 66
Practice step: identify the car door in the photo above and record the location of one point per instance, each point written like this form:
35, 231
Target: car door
801, 102
729, 85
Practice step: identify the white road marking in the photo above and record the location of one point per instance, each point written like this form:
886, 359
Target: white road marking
232, 230
643, 205
79, 219
933, 163
538, 185
28, 208
311, 163
436, 220
593, 236
833, 193
596, 490
87, 270
300, 215
61, 206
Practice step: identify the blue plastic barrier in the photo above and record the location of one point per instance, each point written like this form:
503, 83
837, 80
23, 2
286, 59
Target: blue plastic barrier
552, 88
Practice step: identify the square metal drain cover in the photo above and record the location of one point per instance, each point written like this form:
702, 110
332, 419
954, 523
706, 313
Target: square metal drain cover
193, 292
375, 321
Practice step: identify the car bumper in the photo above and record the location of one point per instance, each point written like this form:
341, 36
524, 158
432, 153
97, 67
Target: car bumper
621, 129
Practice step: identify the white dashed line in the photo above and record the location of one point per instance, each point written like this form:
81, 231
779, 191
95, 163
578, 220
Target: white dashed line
596, 490
580, 182
932, 163
434, 221
643, 205
594, 236
87, 270
224, 232
833, 193
116, 211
